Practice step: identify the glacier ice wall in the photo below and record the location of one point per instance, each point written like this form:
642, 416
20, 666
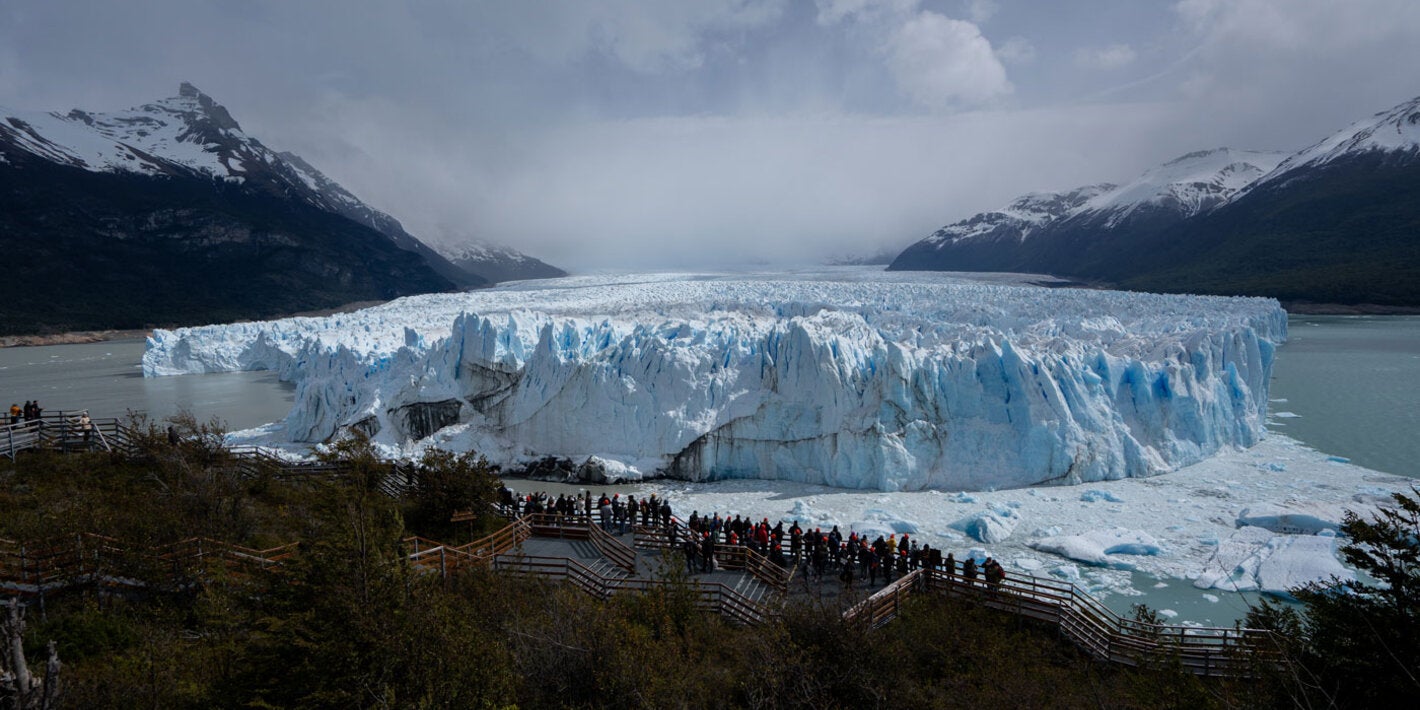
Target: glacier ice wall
846, 378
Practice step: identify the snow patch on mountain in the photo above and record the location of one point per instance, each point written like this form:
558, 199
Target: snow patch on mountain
1189, 185
187, 131
480, 251
1021, 218
851, 378
1396, 130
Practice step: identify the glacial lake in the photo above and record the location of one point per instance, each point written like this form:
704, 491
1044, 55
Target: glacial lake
1344, 385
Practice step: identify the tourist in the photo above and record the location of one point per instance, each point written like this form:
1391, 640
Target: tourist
604, 510
15, 413
692, 551
968, 570
707, 552
86, 425
995, 573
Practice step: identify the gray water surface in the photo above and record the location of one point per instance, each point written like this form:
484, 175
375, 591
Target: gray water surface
107, 379
1349, 386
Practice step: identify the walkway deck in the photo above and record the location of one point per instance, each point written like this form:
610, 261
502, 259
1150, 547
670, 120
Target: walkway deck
745, 587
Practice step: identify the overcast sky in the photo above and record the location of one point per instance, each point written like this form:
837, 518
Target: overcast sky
686, 133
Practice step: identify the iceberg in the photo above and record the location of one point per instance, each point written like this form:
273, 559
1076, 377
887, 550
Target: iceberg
1256, 559
1297, 517
1101, 548
850, 378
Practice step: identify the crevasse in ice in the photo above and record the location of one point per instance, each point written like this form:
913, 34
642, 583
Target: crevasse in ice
847, 378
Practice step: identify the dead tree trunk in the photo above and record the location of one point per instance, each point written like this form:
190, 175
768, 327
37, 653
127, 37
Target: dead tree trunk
20, 689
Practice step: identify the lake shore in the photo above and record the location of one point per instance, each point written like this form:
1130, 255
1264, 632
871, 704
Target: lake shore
71, 338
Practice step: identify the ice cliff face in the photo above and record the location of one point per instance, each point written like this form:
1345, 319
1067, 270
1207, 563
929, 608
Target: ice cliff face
851, 378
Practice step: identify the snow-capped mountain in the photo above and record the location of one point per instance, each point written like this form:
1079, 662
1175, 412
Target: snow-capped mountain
1392, 134
1049, 231
1190, 185
1021, 218
170, 213
176, 192
1332, 223
497, 263
186, 134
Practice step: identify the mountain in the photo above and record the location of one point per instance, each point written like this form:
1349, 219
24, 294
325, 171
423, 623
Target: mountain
496, 264
170, 213
1334, 223
995, 241
321, 191
1073, 233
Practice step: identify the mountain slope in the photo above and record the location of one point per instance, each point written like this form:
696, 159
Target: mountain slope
497, 264
169, 213
92, 250
995, 241
1337, 223
1079, 233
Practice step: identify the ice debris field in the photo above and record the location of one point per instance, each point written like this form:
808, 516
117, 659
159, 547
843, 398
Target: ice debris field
848, 378
1262, 519
937, 397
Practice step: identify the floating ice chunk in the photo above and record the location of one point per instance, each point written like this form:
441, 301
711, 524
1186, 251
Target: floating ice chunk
1286, 415
1292, 516
1029, 564
962, 497
802, 514
1102, 547
1255, 559
1275, 466
1095, 495
1069, 573
893, 522
1168, 613
988, 526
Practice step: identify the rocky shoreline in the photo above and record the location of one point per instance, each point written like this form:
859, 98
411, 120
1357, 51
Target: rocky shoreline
70, 338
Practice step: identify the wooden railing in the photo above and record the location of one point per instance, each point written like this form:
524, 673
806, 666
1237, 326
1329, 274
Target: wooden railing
37, 568
433, 556
88, 557
1210, 651
737, 557
62, 431
709, 596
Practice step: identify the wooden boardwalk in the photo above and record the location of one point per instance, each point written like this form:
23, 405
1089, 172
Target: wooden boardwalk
745, 587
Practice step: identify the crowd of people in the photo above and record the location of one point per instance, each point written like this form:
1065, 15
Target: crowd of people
704, 538
30, 412
613, 513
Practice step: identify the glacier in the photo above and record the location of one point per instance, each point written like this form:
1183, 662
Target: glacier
849, 378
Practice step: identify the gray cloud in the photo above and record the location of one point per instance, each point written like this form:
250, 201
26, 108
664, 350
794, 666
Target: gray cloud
684, 132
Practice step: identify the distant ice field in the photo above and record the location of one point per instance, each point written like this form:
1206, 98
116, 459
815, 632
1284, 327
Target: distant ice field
846, 377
